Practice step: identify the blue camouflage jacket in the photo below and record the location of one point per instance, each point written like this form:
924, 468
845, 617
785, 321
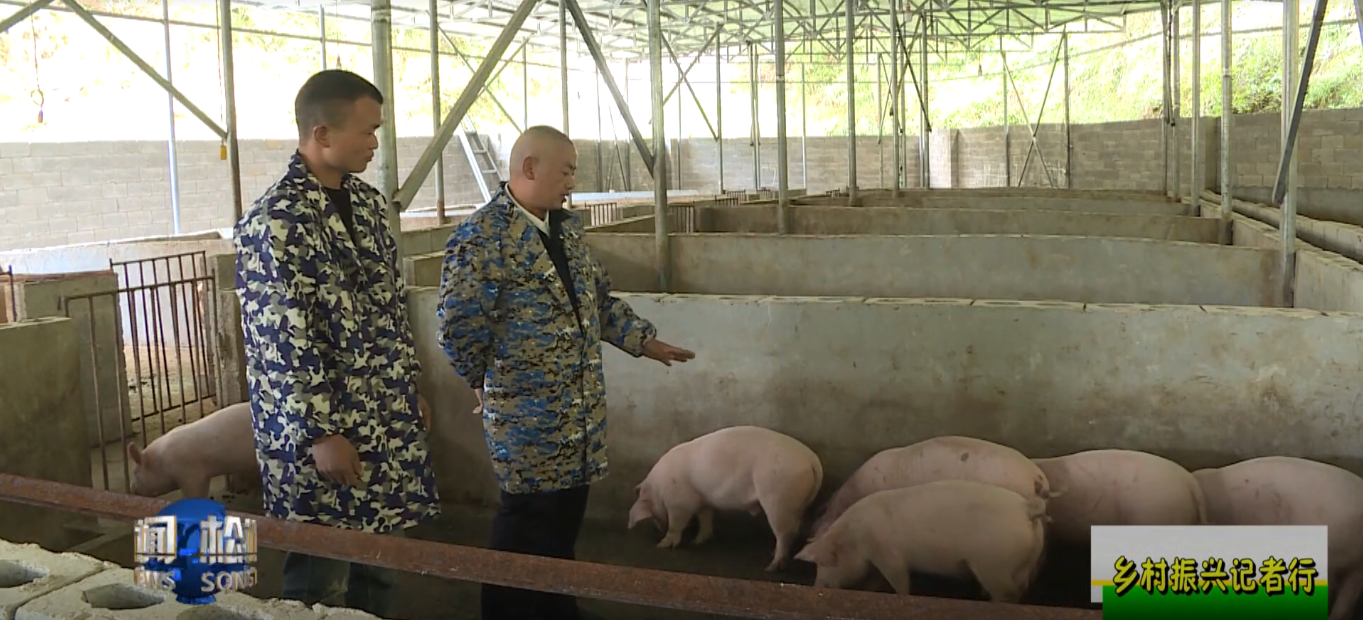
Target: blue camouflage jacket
508, 326
329, 350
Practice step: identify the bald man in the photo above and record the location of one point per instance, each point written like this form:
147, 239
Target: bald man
524, 308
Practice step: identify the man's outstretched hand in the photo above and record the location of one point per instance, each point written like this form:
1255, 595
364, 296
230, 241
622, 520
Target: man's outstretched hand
661, 351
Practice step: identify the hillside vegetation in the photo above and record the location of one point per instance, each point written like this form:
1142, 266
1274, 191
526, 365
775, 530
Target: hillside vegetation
62, 81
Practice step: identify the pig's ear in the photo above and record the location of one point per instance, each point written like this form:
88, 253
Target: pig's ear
134, 453
642, 509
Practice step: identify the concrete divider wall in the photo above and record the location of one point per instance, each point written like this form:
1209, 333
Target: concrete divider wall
914, 197
1057, 203
103, 370
43, 414
1326, 281
64, 586
1020, 267
811, 220
849, 376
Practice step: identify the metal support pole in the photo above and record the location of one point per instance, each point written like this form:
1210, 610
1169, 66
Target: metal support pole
433, 9
563, 60
322, 33
755, 127
170, 123
1177, 154
880, 118
589, 38
678, 162
1166, 111
229, 93
719, 103
1007, 125
663, 251
782, 165
1226, 232
924, 144
1069, 144
386, 159
1196, 183
467, 96
895, 88
1287, 173
563, 74
525, 88
600, 133
1296, 102
804, 130
851, 12
629, 159
22, 14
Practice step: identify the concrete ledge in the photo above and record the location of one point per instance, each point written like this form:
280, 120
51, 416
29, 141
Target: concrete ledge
1026, 267
1203, 385
1069, 204
28, 572
897, 221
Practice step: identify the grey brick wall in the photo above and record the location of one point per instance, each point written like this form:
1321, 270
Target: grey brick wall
60, 193
76, 192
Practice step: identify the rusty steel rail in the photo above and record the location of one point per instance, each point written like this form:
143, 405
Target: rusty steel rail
639, 586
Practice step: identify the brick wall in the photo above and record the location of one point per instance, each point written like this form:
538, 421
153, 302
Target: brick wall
699, 164
56, 193
59, 193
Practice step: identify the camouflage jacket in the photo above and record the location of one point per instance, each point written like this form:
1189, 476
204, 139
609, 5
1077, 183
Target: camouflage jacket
507, 325
329, 350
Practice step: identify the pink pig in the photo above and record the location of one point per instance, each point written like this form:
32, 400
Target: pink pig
1119, 487
190, 456
949, 457
1282, 490
952, 528
738, 468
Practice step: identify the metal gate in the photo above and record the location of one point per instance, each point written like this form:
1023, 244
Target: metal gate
159, 354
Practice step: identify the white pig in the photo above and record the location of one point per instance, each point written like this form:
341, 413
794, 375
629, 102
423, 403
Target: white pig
737, 468
1282, 490
949, 457
1119, 487
952, 528
190, 456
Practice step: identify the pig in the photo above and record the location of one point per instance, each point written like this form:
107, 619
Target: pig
951, 528
188, 457
1283, 490
1119, 487
949, 457
737, 468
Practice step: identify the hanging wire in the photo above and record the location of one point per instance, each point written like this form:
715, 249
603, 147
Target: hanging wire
37, 73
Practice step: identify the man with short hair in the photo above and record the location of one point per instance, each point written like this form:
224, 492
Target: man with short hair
341, 433
524, 309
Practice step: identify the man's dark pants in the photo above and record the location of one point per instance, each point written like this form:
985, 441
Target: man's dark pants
337, 583
543, 524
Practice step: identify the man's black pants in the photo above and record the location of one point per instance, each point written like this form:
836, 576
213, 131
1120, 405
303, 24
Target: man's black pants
544, 524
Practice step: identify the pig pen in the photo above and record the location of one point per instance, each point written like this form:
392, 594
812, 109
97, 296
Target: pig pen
1051, 344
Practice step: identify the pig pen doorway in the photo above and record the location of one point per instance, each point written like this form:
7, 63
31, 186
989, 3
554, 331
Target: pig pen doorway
154, 363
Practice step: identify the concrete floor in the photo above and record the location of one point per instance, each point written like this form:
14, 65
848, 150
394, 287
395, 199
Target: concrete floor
741, 549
